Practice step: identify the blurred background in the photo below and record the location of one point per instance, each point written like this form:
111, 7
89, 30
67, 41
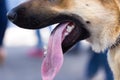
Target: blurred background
21, 53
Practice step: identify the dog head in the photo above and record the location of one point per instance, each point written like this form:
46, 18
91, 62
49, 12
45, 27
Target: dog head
98, 19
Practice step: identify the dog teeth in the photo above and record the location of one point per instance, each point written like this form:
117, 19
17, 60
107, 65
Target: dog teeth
70, 28
45, 53
66, 33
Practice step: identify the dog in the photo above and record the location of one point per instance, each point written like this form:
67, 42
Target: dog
97, 21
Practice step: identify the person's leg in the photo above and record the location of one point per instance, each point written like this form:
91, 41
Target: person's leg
3, 25
40, 42
94, 65
97, 61
109, 74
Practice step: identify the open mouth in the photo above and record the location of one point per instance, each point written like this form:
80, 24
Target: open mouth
71, 29
62, 38
74, 30
72, 34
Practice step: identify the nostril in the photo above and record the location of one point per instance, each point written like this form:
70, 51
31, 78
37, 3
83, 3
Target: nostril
12, 16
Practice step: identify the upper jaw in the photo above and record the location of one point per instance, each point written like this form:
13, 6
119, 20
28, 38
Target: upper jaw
37, 22
27, 20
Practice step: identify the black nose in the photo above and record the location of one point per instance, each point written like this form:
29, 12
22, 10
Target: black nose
12, 15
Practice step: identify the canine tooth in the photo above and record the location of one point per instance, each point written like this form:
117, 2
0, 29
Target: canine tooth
70, 28
66, 33
45, 53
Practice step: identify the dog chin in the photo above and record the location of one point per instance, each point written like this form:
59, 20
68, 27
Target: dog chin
99, 47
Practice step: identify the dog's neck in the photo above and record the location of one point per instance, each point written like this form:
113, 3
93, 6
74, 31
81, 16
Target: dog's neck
116, 43
114, 60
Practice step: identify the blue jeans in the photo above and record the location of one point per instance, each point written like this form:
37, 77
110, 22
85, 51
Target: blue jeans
40, 42
97, 61
3, 20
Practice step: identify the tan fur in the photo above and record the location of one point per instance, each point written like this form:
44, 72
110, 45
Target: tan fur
114, 61
104, 16
65, 4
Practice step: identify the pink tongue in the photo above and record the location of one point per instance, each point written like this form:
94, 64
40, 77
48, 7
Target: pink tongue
54, 58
